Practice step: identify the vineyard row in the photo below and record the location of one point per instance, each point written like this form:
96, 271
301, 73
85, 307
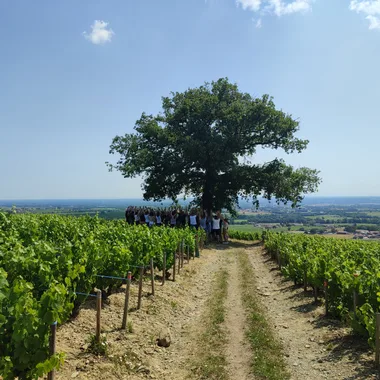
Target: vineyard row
47, 263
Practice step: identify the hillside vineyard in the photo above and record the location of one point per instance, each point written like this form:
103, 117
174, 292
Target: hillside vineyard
49, 263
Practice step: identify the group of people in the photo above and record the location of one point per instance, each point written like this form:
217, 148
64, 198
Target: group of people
214, 224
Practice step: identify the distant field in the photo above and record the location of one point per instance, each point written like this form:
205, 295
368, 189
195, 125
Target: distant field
327, 217
241, 221
293, 229
244, 228
373, 213
250, 228
250, 213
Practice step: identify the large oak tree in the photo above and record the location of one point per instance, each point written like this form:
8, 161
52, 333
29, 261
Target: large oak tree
201, 143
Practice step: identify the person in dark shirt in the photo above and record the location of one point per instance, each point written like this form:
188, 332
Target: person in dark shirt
181, 220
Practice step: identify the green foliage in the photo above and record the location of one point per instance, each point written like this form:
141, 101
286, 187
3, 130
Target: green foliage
347, 265
242, 235
98, 348
46, 259
130, 328
199, 146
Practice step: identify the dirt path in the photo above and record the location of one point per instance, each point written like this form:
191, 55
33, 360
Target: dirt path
315, 348
238, 352
177, 306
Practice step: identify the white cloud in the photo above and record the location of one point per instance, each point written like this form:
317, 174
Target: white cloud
100, 33
252, 5
374, 22
281, 7
277, 7
370, 8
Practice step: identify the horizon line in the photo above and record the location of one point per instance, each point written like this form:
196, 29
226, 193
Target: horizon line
141, 199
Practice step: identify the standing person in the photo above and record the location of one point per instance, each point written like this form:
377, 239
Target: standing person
173, 219
126, 214
209, 227
158, 219
203, 225
203, 221
193, 220
181, 220
147, 217
152, 219
225, 230
137, 216
131, 216
221, 222
216, 228
166, 218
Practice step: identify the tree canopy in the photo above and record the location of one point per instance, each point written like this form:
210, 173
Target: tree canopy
201, 145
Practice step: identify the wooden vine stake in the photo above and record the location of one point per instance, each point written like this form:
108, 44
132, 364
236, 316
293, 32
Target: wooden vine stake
182, 253
175, 256
179, 257
355, 302
152, 274
188, 254
325, 288
140, 288
377, 357
52, 350
164, 270
126, 302
304, 277
98, 313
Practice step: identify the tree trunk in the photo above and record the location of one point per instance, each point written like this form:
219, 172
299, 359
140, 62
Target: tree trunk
207, 196
207, 202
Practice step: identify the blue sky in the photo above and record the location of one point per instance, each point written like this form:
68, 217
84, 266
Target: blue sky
69, 83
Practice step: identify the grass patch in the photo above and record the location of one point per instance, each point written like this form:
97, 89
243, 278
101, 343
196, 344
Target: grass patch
130, 328
98, 348
267, 362
211, 361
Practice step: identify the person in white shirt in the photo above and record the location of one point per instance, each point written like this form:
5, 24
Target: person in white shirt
216, 228
193, 220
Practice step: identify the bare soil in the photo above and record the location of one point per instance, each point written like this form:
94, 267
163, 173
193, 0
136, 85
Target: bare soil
314, 347
177, 306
